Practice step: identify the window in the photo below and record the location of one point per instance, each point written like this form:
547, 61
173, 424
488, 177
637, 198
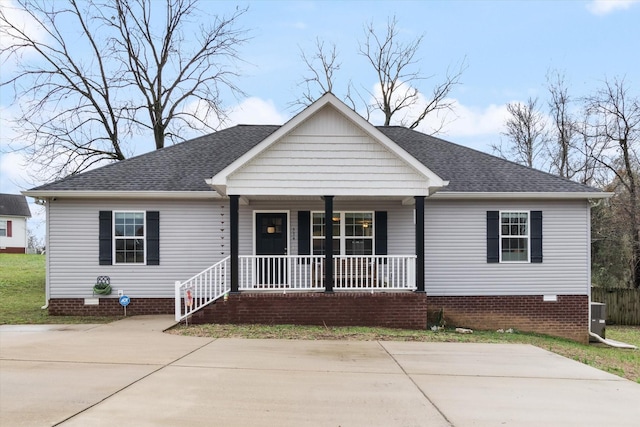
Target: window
514, 236
352, 233
3, 228
129, 237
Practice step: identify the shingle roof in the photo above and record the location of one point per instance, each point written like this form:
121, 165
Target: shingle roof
469, 170
180, 167
14, 205
185, 166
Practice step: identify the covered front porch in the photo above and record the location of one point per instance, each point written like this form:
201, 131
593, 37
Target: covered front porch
320, 262
339, 177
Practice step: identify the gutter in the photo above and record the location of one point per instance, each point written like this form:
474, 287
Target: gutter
84, 194
521, 195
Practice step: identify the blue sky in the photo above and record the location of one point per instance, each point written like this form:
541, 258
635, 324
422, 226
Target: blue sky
509, 47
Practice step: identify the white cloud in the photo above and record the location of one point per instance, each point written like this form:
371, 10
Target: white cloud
21, 20
471, 121
13, 176
256, 111
252, 110
604, 7
460, 121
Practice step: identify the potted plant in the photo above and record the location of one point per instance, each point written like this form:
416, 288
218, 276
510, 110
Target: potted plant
102, 288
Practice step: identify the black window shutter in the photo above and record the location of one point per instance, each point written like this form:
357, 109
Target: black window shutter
105, 241
304, 233
381, 232
493, 236
153, 238
536, 236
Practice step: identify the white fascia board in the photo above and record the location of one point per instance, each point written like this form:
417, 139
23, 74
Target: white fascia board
521, 195
220, 179
82, 194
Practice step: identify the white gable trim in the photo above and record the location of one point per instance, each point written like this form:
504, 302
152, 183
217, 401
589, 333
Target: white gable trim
219, 181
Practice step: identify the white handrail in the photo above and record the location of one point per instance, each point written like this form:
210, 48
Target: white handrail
295, 273
201, 290
306, 272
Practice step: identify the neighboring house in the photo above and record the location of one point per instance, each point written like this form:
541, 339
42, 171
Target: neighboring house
14, 211
420, 227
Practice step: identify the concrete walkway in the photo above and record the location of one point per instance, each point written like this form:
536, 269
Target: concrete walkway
128, 373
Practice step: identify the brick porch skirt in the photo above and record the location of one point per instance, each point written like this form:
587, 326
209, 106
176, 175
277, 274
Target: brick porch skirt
406, 310
567, 317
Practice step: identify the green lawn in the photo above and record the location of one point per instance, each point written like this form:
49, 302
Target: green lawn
22, 279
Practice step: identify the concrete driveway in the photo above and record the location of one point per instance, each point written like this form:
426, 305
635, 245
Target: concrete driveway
128, 373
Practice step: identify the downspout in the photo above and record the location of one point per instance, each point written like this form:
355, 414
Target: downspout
47, 291
612, 343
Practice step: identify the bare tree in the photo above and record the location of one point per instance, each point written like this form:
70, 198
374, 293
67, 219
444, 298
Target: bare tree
396, 66
398, 76
105, 71
613, 132
526, 133
564, 127
322, 64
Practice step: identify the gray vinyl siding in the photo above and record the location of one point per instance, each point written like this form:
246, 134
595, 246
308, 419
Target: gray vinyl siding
195, 234
455, 250
192, 235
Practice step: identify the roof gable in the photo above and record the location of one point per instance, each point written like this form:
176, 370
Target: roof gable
327, 149
14, 205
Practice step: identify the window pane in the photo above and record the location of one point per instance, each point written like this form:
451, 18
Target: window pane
514, 224
359, 247
358, 224
336, 224
128, 225
318, 224
515, 249
318, 246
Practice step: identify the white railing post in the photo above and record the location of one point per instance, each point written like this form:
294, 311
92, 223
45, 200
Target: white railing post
178, 310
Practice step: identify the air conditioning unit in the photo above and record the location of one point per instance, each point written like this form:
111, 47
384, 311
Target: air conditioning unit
598, 319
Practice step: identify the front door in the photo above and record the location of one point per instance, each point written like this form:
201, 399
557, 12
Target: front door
271, 239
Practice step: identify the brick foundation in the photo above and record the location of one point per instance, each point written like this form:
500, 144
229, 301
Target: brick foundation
110, 307
394, 310
13, 250
567, 318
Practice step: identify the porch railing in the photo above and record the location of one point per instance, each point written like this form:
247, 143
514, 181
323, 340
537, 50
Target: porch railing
295, 273
306, 272
202, 289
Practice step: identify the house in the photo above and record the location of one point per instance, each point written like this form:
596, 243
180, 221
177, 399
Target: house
14, 211
233, 227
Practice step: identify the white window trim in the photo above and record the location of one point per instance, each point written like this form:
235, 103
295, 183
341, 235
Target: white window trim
114, 238
528, 236
4, 222
343, 236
